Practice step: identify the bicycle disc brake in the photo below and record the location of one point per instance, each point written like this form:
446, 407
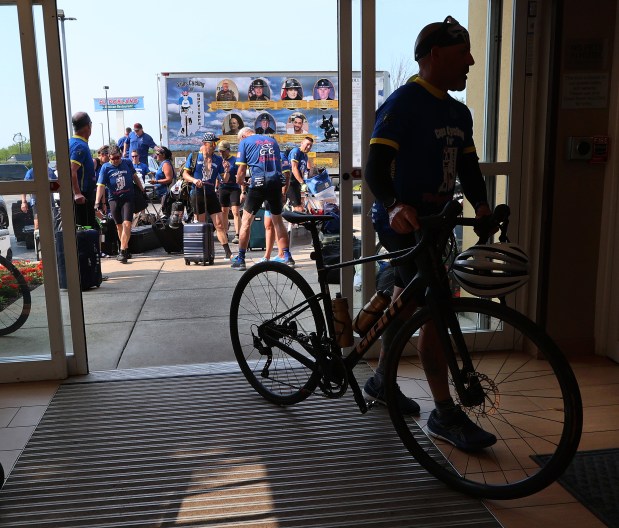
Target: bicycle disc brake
482, 395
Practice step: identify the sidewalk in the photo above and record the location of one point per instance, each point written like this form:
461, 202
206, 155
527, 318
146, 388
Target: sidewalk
153, 311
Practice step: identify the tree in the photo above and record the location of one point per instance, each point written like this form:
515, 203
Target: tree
401, 70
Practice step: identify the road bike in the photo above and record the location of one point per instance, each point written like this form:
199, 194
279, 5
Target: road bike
14, 298
504, 371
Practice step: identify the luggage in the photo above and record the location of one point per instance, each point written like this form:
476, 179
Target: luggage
110, 244
199, 243
21, 219
89, 258
331, 255
257, 233
171, 239
143, 239
28, 234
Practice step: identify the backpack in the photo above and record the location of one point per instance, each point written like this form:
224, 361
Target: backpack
331, 227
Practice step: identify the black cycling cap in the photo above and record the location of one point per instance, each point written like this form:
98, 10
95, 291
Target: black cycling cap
448, 33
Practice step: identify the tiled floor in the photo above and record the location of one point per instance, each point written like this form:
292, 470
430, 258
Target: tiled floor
23, 405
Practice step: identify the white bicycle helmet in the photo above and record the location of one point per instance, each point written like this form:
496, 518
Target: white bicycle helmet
491, 270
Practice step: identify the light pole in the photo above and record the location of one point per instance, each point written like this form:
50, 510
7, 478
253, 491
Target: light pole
62, 18
107, 111
19, 139
102, 136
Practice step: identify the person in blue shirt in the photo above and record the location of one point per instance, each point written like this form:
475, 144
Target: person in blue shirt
121, 142
283, 242
83, 178
261, 154
165, 173
51, 175
209, 167
142, 169
118, 177
140, 141
299, 167
422, 141
229, 190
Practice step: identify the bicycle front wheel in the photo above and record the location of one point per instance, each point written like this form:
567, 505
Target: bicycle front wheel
531, 403
272, 315
14, 298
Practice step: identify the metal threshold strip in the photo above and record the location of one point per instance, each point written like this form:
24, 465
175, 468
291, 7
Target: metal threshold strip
206, 450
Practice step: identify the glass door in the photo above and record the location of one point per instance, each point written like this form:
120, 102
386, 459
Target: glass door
38, 322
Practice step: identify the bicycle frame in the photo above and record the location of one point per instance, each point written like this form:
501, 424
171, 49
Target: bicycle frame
431, 277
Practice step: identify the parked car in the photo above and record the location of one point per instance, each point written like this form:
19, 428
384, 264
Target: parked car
4, 214
12, 171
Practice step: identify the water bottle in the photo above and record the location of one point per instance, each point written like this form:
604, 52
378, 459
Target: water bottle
342, 321
371, 312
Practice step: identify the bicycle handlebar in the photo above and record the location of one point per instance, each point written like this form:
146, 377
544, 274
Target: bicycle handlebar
447, 219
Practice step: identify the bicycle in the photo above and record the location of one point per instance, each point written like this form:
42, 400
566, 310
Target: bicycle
284, 342
15, 299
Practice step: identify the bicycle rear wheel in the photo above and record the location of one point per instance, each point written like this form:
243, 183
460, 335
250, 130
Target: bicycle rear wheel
531, 403
261, 310
14, 298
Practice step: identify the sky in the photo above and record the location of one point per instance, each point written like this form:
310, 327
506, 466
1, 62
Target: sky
128, 44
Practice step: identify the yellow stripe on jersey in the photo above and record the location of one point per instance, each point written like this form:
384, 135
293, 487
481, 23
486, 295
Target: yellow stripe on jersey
469, 150
436, 92
76, 162
240, 163
384, 141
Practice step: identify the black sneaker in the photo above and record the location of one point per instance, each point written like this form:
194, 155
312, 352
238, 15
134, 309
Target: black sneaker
122, 257
372, 391
459, 430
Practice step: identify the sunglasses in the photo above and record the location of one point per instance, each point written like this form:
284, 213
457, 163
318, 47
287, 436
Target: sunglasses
136, 156
114, 158
137, 129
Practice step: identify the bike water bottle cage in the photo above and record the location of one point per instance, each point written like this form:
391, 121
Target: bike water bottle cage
491, 270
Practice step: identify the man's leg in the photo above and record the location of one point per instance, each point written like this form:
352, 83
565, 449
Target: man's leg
269, 231
237, 223
282, 241
221, 233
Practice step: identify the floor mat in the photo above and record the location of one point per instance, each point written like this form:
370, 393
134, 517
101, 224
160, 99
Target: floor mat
593, 478
207, 450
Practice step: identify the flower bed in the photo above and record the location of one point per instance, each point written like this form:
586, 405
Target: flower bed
9, 289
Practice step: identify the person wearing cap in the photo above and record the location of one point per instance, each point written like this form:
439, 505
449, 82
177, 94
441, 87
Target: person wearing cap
83, 177
422, 140
229, 190
262, 156
299, 167
265, 125
324, 90
292, 90
256, 91
121, 141
225, 94
208, 169
140, 141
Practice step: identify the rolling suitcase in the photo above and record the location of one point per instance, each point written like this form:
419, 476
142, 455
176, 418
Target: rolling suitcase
21, 219
170, 238
89, 258
110, 244
257, 233
199, 240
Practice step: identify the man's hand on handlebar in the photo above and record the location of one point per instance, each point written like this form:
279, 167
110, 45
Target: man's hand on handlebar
403, 219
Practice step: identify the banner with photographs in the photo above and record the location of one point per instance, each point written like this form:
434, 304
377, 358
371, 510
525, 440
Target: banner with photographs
288, 107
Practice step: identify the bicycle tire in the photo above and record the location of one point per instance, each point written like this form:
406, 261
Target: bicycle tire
264, 292
533, 407
15, 299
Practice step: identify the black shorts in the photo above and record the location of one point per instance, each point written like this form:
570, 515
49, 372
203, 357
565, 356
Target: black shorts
271, 193
394, 242
121, 210
212, 202
229, 197
294, 192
